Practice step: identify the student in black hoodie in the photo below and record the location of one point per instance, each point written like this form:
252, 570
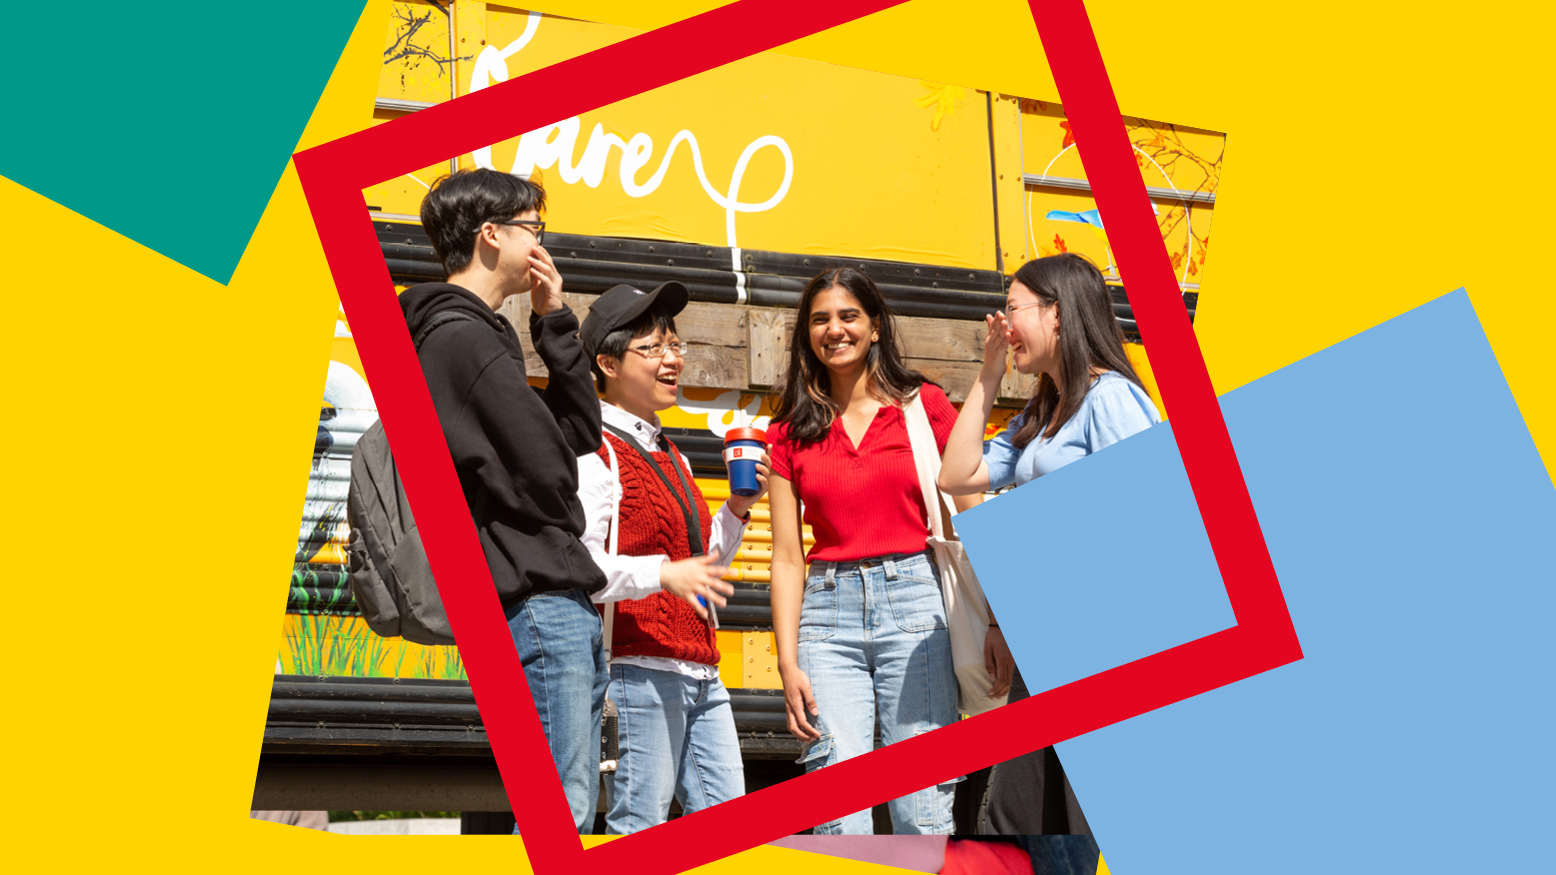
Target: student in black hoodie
515, 449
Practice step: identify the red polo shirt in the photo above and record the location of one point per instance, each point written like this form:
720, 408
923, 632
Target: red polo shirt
862, 501
985, 858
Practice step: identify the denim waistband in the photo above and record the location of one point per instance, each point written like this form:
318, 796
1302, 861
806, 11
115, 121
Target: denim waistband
822, 565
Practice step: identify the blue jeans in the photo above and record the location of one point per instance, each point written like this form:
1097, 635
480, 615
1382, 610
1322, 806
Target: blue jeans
873, 635
558, 637
677, 738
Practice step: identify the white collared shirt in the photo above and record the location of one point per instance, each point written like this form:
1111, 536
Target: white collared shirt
636, 577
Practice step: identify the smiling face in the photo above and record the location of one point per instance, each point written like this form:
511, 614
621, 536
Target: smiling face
841, 332
639, 384
1033, 331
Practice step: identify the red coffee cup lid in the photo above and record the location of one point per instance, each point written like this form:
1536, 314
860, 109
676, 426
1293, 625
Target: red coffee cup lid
745, 434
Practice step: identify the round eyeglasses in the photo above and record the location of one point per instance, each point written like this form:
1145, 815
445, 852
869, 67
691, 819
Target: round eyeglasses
1009, 309
660, 350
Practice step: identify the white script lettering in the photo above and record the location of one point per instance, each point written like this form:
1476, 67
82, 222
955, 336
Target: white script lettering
557, 144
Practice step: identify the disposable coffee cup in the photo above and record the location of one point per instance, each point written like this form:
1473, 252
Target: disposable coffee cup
743, 448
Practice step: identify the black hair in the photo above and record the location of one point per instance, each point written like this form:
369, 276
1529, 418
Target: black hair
615, 343
804, 399
1089, 338
458, 205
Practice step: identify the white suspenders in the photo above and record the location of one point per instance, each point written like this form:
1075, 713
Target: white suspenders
610, 544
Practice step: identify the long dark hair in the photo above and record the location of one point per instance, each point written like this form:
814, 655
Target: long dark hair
804, 399
1089, 337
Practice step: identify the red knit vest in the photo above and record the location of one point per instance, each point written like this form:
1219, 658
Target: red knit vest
652, 524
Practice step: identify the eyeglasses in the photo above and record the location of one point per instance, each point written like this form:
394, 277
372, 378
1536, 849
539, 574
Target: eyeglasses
1009, 309
660, 350
535, 227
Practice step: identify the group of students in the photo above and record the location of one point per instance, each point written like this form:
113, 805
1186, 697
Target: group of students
584, 508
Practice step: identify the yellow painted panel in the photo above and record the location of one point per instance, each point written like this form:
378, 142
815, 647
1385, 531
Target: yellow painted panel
1008, 162
1047, 236
514, 44
819, 158
1169, 156
470, 38
415, 60
759, 661
729, 657
1054, 226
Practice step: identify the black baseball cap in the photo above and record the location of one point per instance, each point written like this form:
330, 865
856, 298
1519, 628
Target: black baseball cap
621, 305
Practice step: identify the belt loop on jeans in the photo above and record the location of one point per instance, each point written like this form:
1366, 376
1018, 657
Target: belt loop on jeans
831, 574
891, 568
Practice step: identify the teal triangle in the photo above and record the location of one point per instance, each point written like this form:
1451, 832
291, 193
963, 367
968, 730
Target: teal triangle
170, 123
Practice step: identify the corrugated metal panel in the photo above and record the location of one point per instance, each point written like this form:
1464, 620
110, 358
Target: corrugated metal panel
319, 584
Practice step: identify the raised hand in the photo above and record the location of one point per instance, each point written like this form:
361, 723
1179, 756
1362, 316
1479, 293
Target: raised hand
698, 576
545, 282
995, 344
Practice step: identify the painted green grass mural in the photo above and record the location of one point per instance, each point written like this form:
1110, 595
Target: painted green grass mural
336, 645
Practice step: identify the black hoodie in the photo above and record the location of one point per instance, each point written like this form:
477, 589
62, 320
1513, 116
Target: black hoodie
516, 449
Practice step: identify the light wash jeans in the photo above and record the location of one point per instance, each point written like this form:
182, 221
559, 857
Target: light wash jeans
677, 738
873, 635
558, 637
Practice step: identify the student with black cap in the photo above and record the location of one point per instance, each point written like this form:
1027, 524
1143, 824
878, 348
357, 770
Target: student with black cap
515, 449
663, 555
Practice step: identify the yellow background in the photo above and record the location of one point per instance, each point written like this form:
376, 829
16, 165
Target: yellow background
162, 423
878, 169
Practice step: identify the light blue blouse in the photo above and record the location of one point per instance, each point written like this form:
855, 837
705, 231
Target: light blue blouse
1113, 409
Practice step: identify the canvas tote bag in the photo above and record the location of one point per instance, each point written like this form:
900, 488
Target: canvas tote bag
966, 608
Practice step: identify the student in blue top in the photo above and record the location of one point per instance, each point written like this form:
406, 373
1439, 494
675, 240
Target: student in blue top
1058, 324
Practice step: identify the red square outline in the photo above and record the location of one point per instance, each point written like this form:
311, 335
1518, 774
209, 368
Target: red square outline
333, 176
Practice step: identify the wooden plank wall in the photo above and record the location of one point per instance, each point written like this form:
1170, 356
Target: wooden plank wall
742, 347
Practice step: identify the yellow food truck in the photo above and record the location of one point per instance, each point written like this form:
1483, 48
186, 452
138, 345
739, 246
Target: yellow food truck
742, 182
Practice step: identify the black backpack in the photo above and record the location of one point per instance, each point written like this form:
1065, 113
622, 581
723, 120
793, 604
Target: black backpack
386, 562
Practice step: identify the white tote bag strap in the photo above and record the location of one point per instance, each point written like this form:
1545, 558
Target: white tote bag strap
611, 541
967, 613
926, 458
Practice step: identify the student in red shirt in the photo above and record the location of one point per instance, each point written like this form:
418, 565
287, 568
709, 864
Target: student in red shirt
866, 629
